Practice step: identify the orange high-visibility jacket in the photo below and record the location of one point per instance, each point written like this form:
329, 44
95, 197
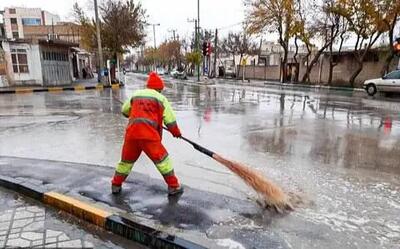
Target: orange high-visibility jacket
147, 110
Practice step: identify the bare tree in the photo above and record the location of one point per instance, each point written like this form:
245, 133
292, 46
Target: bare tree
122, 26
275, 16
366, 21
238, 44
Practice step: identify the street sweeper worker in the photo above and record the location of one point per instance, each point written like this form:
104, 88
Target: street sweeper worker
148, 110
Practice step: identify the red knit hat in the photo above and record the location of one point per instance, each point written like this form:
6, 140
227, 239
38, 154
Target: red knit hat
155, 82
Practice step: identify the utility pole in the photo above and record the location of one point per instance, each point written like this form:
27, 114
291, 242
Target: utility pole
215, 52
196, 43
154, 33
101, 63
174, 33
155, 43
197, 35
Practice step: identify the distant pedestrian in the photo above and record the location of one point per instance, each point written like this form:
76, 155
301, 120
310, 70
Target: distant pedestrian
84, 73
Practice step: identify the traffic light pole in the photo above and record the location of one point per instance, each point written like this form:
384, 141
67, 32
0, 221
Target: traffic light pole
215, 52
98, 36
197, 35
197, 48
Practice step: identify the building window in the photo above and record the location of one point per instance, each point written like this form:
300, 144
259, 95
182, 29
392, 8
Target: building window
19, 59
13, 20
15, 35
12, 11
31, 21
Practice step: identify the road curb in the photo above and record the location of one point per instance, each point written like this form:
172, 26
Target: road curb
77, 88
116, 223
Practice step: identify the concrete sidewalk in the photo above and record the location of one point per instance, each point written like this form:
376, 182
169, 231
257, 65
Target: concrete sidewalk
74, 87
25, 223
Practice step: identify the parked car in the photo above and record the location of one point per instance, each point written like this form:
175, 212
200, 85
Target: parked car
388, 83
160, 71
230, 71
178, 74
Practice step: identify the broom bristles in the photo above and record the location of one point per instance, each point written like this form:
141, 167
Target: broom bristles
273, 195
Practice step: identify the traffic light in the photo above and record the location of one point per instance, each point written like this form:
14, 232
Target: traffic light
205, 48
396, 46
209, 48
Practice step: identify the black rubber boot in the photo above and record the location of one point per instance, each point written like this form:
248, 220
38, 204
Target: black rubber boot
175, 191
115, 190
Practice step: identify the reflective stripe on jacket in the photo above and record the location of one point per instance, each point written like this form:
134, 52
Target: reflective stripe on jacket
147, 110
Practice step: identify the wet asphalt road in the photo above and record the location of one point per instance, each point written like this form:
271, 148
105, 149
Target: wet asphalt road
339, 152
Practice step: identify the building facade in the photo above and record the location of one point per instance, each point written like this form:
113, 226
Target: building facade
16, 18
40, 63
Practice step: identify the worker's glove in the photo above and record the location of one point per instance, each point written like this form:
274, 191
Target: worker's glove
175, 131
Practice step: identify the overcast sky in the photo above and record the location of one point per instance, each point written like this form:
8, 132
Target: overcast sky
171, 14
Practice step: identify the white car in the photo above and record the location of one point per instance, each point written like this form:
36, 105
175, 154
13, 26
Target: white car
388, 83
160, 71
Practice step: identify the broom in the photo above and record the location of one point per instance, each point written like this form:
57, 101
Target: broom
273, 195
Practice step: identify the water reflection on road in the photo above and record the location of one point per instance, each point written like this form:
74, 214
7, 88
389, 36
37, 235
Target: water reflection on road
339, 151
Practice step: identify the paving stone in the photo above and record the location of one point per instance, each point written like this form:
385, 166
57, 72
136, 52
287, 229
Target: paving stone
51, 240
4, 225
3, 232
2, 239
51, 245
5, 217
34, 226
40, 218
16, 230
21, 223
23, 214
37, 243
70, 244
14, 236
52, 233
32, 236
18, 243
63, 237
35, 209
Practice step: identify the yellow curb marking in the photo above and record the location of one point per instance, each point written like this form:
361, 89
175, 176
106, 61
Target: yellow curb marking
24, 90
76, 207
55, 89
79, 88
99, 87
115, 86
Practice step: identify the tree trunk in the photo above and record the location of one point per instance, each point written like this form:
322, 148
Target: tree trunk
306, 76
389, 58
284, 65
113, 68
386, 66
356, 73
330, 76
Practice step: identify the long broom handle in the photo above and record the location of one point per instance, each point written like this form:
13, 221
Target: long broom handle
195, 145
199, 147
